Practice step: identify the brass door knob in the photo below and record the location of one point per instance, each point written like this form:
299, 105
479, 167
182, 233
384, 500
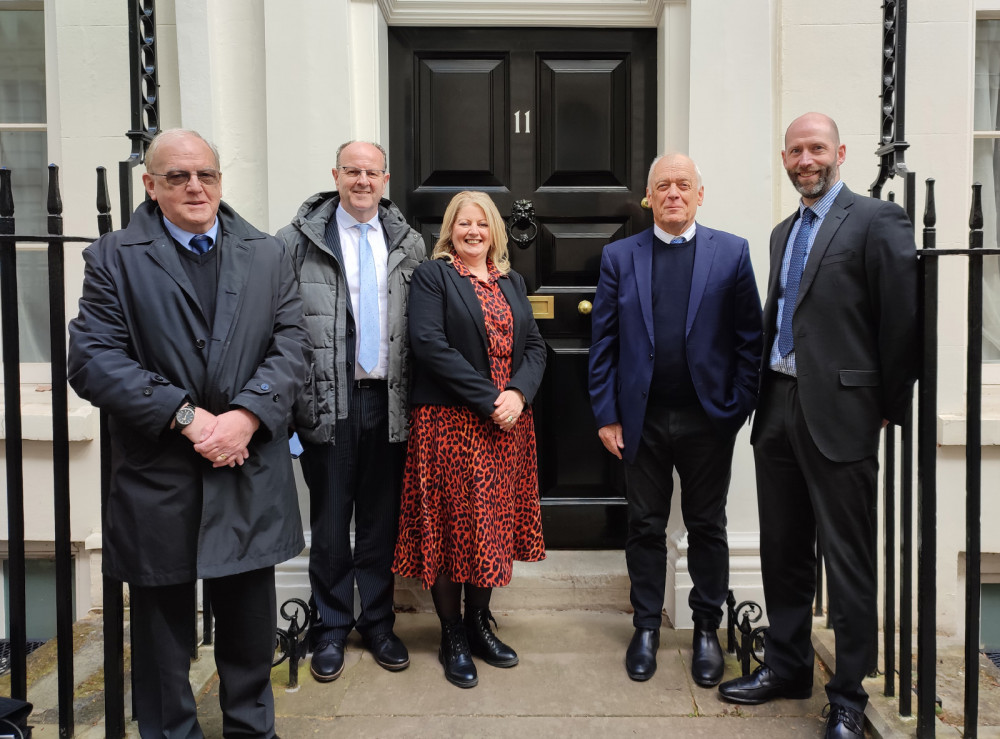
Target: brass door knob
584, 307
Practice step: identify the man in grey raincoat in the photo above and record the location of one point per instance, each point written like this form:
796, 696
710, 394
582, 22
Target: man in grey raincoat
190, 337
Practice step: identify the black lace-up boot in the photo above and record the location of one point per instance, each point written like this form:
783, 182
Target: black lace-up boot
459, 668
483, 642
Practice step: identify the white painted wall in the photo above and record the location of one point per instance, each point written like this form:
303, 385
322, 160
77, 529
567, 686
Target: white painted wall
279, 85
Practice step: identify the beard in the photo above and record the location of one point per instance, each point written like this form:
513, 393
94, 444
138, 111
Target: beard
825, 178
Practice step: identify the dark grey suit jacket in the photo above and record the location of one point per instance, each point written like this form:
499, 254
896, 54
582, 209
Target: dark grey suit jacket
855, 325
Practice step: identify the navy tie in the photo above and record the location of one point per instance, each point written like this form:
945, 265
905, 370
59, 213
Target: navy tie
793, 280
200, 244
369, 325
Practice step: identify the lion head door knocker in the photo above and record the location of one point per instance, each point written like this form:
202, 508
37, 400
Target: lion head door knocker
522, 228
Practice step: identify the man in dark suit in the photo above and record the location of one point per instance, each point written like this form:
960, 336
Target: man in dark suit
840, 343
190, 337
673, 376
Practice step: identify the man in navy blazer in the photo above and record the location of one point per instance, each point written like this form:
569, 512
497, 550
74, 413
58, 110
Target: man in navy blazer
673, 375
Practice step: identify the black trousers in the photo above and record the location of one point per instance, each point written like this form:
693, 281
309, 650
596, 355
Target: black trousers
685, 439
163, 639
802, 494
359, 477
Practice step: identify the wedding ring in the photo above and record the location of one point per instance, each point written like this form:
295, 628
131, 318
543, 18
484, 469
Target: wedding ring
222, 457
510, 419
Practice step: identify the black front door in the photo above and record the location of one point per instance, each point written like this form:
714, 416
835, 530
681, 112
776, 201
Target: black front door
565, 118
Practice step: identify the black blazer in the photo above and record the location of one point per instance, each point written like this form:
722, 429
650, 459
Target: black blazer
855, 325
451, 364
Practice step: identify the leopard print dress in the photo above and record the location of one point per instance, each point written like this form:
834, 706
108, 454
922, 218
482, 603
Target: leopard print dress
470, 491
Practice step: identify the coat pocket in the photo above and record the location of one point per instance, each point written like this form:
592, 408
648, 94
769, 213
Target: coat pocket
860, 378
304, 410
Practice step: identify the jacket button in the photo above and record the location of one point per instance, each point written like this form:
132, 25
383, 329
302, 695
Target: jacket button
158, 378
265, 387
200, 343
147, 391
276, 397
644, 393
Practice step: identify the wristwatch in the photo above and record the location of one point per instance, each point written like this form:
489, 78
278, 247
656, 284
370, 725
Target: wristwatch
184, 416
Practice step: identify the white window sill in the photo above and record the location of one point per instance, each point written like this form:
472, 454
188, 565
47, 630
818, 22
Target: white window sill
951, 429
36, 422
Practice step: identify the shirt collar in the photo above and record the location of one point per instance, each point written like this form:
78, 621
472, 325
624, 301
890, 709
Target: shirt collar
667, 238
346, 221
184, 237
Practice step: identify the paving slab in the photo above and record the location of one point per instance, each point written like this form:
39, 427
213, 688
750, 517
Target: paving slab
571, 681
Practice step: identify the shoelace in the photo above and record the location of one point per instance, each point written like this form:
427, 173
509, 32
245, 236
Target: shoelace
457, 642
847, 716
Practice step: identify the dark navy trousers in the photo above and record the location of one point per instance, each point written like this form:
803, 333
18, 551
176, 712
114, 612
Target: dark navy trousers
357, 478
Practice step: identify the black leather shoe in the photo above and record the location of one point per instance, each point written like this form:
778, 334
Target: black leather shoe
844, 723
640, 657
483, 643
328, 660
762, 685
389, 651
707, 663
459, 669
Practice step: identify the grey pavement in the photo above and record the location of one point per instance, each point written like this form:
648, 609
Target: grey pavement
571, 681
567, 618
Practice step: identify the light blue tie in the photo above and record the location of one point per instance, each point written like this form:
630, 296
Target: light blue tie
200, 243
796, 264
678, 240
369, 326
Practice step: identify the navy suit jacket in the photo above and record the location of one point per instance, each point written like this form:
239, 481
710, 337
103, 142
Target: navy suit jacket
722, 330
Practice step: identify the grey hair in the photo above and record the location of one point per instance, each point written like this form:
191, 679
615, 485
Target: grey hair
670, 155
177, 133
385, 157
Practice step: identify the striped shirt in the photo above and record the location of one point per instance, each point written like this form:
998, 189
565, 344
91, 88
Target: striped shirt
786, 364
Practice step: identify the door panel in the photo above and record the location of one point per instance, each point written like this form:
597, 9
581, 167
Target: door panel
564, 118
583, 123
462, 100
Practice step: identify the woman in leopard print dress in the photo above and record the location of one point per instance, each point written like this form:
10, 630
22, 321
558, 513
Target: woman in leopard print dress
470, 487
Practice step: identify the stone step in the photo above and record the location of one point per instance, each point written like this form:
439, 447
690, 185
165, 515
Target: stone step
564, 580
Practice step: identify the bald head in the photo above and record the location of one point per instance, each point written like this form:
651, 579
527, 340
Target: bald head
814, 122
812, 155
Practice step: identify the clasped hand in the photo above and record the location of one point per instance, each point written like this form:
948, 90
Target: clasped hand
222, 439
509, 406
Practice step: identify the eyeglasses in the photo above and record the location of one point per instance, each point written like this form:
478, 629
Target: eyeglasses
180, 177
354, 173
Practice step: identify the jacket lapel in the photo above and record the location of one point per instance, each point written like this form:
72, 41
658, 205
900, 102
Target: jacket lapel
642, 263
831, 223
163, 251
704, 255
234, 271
467, 292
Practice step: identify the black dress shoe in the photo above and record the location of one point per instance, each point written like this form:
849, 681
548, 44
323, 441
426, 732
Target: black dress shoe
707, 663
459, 669
640, 657
483, 643
762, 685
844, 722
389, 651
328, 660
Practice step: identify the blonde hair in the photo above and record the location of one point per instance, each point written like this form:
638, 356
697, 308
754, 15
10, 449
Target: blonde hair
498, 253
